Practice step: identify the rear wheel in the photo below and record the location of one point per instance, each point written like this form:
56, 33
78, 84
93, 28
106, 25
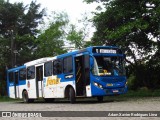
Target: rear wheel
100, 98
72, 95
25, 97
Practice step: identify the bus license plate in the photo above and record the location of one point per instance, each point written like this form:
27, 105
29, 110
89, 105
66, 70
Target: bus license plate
109, 84
115, 91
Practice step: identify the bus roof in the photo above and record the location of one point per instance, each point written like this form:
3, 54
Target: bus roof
38, 61
17, 68
88, 49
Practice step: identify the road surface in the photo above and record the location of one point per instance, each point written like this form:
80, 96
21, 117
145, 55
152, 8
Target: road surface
135, 104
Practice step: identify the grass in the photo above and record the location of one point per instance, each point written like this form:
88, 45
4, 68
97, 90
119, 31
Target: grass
142, 93
7, 99
135, 95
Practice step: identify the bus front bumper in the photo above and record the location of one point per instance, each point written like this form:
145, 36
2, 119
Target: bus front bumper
108, 91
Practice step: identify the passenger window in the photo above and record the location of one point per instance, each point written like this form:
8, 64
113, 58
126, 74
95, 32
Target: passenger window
67, 65
48, 69
22, 74
31, 72
11, 77
57, 67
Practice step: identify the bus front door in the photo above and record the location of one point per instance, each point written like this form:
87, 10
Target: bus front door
39, 80
82, 73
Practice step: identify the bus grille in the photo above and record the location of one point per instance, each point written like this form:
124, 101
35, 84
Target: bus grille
112, 80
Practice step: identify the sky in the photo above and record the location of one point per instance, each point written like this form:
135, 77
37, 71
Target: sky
74, 8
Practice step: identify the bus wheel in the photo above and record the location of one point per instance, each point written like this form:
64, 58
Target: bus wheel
25, 97
72, 95
100, 98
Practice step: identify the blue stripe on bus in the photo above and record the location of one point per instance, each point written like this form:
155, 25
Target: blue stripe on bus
22, 82
16, 69
12, 83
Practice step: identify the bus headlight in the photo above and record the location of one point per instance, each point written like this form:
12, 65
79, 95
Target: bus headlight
98, 85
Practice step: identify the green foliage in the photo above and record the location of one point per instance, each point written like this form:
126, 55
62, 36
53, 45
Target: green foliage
142, 92
18, 30
75, 37
50, 42
132, 25
7, 99
22, 41
130, 81
78, 34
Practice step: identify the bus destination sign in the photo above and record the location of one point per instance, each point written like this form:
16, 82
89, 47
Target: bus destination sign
112, 51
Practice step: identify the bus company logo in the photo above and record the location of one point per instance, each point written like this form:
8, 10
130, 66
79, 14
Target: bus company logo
53, 80
28, 84
6, 114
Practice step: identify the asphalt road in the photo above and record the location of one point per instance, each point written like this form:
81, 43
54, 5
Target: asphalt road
136, 104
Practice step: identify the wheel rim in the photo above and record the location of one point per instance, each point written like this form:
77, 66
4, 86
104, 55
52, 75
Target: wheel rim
25, 96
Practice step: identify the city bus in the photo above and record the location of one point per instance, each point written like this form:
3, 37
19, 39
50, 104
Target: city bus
95, 71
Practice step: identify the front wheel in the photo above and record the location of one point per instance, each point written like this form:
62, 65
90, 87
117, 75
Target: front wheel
25, 97
72, 95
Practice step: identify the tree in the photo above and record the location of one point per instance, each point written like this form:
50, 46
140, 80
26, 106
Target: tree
78, 35
51, 41
75, 37
18, 29
134, 26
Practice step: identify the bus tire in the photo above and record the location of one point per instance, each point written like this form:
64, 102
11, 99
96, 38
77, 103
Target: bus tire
72, 95
100, 98
25, 97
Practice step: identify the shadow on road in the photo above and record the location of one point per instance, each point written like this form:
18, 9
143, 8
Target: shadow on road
66, 101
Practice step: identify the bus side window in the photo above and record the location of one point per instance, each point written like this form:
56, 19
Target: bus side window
22, 74
31, 72
57, 67
48, 69
11, 77
67, 65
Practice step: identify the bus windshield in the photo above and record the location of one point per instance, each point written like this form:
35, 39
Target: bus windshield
108, 66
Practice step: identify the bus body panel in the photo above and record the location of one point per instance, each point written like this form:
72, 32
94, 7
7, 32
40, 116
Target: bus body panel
49, 87
110, 85
21, 88
14, 83
12, 92
31, 88
54, 86
88, 91
62, 87
40, 88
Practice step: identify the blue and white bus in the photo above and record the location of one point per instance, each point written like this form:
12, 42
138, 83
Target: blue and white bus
96, 71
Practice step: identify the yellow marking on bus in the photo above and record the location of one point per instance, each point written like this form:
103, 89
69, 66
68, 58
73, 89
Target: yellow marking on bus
53, 80
79, 78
